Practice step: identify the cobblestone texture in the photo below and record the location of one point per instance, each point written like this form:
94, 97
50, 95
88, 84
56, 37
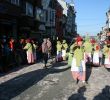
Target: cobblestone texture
54, 83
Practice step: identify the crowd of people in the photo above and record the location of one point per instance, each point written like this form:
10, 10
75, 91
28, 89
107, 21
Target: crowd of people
23, 51
82, 53
87, 53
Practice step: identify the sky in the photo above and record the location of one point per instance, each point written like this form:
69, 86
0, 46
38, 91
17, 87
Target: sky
90, 15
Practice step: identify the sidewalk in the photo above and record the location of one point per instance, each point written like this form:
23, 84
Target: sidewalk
21, 70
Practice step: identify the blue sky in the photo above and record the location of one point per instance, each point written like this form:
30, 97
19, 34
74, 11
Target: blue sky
91, 15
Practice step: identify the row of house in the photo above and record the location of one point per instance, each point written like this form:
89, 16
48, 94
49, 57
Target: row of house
37, 18
106, 28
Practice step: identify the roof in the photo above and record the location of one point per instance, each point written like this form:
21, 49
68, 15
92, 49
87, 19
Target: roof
64, 5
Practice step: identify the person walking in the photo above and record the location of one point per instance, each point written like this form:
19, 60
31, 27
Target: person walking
78, 67
70, 54
45, 52
87, 50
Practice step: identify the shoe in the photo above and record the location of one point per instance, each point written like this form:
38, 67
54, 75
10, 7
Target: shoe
85, 83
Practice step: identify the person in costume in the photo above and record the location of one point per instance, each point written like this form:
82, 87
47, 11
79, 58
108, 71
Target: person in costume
59, 52
70, 54
64, 48
29, 51
88, 50
106, 53
96, 55
78, 68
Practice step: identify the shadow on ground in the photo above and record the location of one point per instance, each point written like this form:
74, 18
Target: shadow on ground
79, 95
17, 85
104, 95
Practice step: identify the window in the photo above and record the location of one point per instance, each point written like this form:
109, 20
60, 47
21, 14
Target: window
29, 9
40, 14
16, 2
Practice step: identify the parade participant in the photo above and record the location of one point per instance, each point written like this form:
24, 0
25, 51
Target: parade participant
70, 54
106, 52
29, 51
87, 50
78, 68
64, 48
96, 55
45, 52
59, 52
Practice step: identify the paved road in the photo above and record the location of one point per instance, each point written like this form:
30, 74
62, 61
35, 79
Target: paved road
55, 83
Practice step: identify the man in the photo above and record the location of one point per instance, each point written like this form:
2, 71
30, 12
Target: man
45, 52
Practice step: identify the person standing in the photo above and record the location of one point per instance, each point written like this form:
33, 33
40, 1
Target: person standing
45, 52
96, 55
78, 67
29, 51
64, 48
59, 52
49, 44
106, 52
34, 50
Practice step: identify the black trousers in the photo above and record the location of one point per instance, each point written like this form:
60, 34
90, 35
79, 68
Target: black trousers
45, 58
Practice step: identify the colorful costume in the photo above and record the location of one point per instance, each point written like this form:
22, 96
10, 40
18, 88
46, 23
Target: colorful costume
88, 50
106, 52
96, 55
64, 48
29, 52
70, 54
78, 67
59, 52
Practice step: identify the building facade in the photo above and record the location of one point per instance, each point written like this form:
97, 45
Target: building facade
9, 16
59, 21
71, 27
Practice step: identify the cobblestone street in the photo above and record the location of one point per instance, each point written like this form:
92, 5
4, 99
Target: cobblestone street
54, 83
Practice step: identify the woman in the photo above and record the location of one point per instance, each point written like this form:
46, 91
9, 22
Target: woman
29, 51
106, 52
78, 68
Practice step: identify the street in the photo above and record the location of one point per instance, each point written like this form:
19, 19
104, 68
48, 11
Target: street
54, 83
